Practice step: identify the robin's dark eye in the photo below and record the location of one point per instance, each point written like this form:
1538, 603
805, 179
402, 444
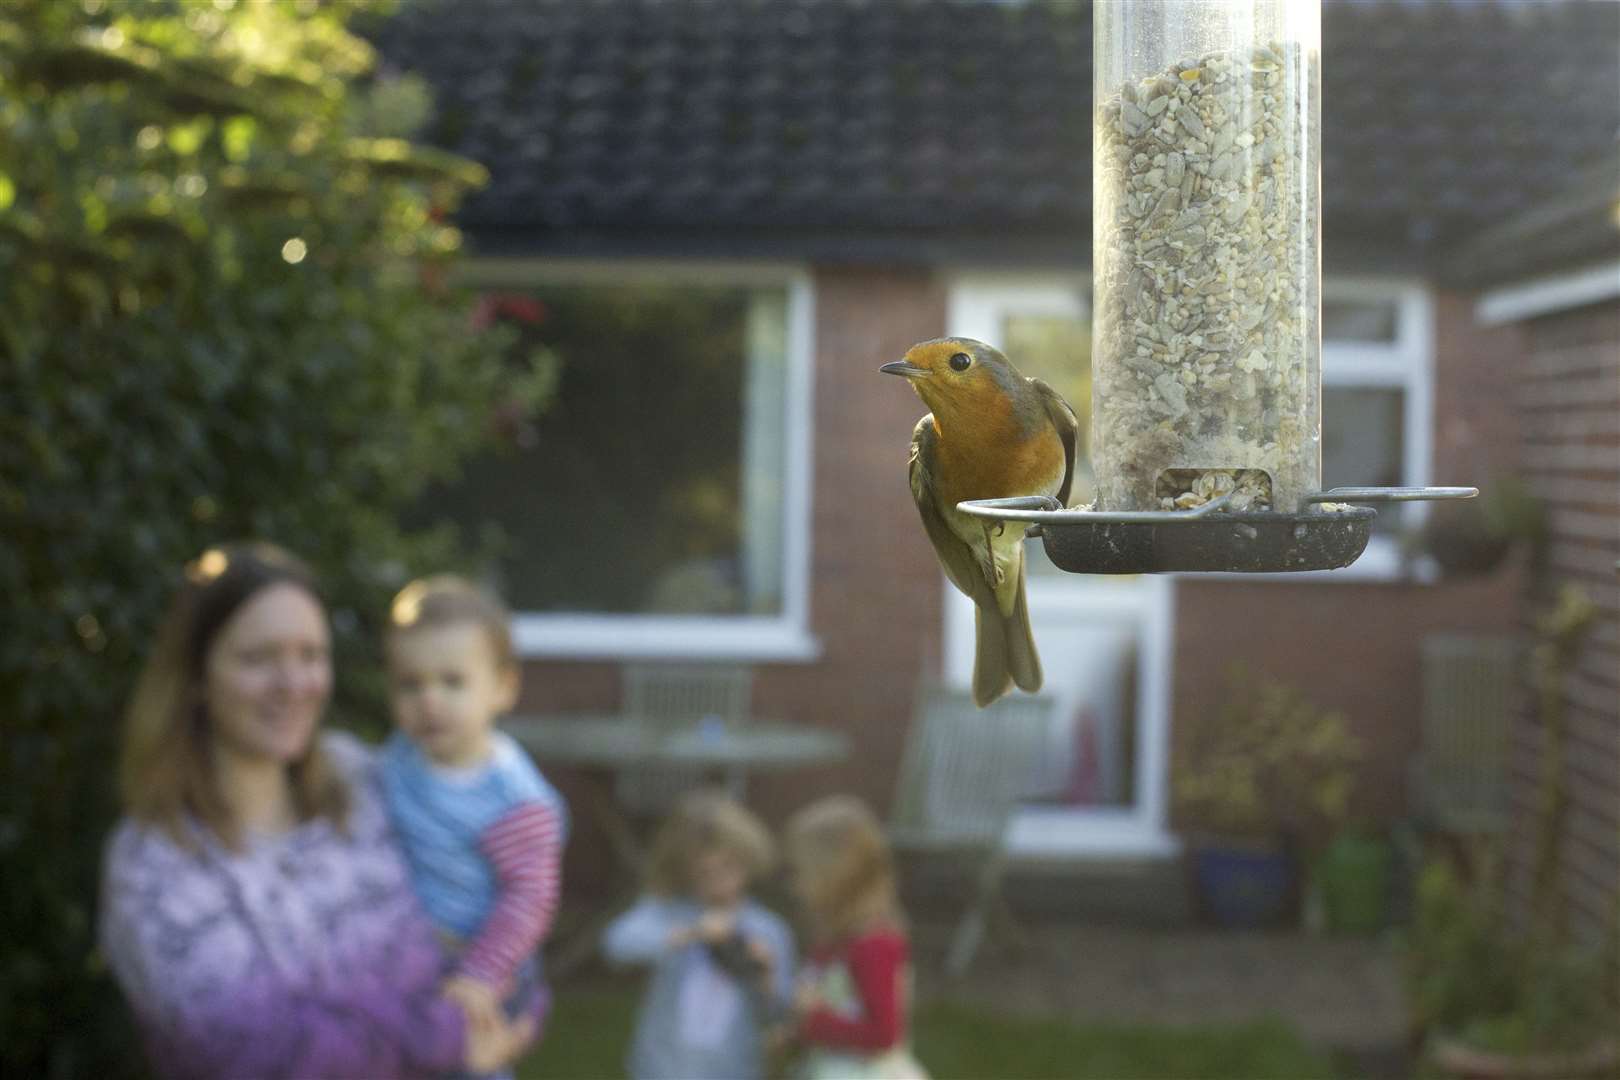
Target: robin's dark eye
961, 361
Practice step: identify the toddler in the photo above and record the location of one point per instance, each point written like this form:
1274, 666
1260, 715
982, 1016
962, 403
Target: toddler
851, 1008
483, 832
722, 964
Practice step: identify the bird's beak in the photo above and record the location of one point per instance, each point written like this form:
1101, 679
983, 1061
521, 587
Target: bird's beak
900, 367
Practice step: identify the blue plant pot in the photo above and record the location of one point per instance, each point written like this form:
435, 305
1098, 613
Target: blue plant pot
1244, 889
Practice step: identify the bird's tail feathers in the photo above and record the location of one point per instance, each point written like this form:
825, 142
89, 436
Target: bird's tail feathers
1018, 643
991, 678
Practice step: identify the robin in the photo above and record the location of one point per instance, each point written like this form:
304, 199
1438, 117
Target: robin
992, 434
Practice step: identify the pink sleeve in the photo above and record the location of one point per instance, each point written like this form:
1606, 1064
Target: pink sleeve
876, 963
525, 847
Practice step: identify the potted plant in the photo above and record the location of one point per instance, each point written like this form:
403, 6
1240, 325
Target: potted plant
1471, 537
1351, 882
1500, 999
1489, 1003
1265, 781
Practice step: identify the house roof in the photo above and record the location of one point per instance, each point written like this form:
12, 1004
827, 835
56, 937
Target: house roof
1570, 227
924, 130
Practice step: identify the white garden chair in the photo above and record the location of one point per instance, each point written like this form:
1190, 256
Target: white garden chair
963, 775
668, 697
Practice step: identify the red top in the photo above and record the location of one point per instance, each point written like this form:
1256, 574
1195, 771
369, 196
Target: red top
877, 965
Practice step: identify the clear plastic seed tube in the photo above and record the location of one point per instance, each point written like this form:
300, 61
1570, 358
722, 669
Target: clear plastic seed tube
1206, 253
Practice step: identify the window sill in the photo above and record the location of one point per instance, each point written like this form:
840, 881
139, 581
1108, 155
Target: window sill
1087, 833
669, 637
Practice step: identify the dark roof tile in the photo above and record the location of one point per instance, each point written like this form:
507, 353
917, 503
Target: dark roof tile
1439, 116
1573, 225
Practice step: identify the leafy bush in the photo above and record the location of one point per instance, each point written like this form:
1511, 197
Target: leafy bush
1459, 973
1471, 972
1472, 536
1272, 764
222, 319
1470, 975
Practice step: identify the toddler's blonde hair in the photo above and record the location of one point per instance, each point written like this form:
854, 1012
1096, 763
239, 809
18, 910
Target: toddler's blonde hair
448, 600
837, 849
706, 820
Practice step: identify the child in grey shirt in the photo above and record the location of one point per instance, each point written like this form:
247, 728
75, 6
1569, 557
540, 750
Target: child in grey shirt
721, 963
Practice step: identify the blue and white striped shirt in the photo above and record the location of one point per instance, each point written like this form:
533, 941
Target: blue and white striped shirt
441, 816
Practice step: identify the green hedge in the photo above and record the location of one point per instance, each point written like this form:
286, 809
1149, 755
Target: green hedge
221, 319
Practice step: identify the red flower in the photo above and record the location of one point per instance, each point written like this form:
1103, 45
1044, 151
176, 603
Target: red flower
514, 306
525, 309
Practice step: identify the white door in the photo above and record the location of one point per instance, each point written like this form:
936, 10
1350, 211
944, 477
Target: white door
1104, 641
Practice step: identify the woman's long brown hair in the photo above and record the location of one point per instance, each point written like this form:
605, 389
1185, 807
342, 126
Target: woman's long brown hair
166, 773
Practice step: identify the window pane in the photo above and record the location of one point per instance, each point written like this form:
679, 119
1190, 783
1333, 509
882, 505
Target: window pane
1089, 759
1057, 350
1363, 442
651, 482
1358, 320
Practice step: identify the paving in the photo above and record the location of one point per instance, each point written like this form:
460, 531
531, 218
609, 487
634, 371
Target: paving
1341, 993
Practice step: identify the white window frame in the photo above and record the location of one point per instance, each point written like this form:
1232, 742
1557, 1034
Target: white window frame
782, 637
977, 303
1405, 364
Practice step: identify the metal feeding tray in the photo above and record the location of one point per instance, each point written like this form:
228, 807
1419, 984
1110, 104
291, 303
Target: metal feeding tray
1323, 534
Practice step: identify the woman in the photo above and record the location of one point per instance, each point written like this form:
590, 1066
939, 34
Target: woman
256, 911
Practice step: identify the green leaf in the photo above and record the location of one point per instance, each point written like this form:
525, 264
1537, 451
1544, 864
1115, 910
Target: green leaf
187, 139
400, 158
237, 135
170, 380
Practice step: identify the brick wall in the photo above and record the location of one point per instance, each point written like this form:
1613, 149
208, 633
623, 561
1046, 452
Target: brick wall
1354, 646
1476, 369
1569, 404
1350, 647
875, 600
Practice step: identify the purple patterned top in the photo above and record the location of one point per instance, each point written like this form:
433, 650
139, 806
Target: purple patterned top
305, 955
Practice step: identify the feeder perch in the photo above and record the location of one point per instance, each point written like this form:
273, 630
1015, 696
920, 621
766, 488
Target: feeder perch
1206, 394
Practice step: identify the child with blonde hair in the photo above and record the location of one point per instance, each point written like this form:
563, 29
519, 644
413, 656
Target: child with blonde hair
482, 830
721, 963
851, 1010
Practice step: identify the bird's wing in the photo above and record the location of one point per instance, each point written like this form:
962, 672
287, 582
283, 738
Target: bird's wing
1068, 429
960, 564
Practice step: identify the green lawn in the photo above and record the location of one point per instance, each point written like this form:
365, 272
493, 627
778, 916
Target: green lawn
588, 1032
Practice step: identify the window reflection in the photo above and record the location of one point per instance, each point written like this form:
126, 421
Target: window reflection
1365, 321
651, 482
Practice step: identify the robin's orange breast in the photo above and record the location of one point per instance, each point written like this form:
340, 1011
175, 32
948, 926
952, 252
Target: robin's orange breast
997, 464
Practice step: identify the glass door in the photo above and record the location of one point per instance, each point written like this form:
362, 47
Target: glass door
1104, 641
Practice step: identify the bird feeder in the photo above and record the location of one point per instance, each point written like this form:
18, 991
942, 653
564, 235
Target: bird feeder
1206, 260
